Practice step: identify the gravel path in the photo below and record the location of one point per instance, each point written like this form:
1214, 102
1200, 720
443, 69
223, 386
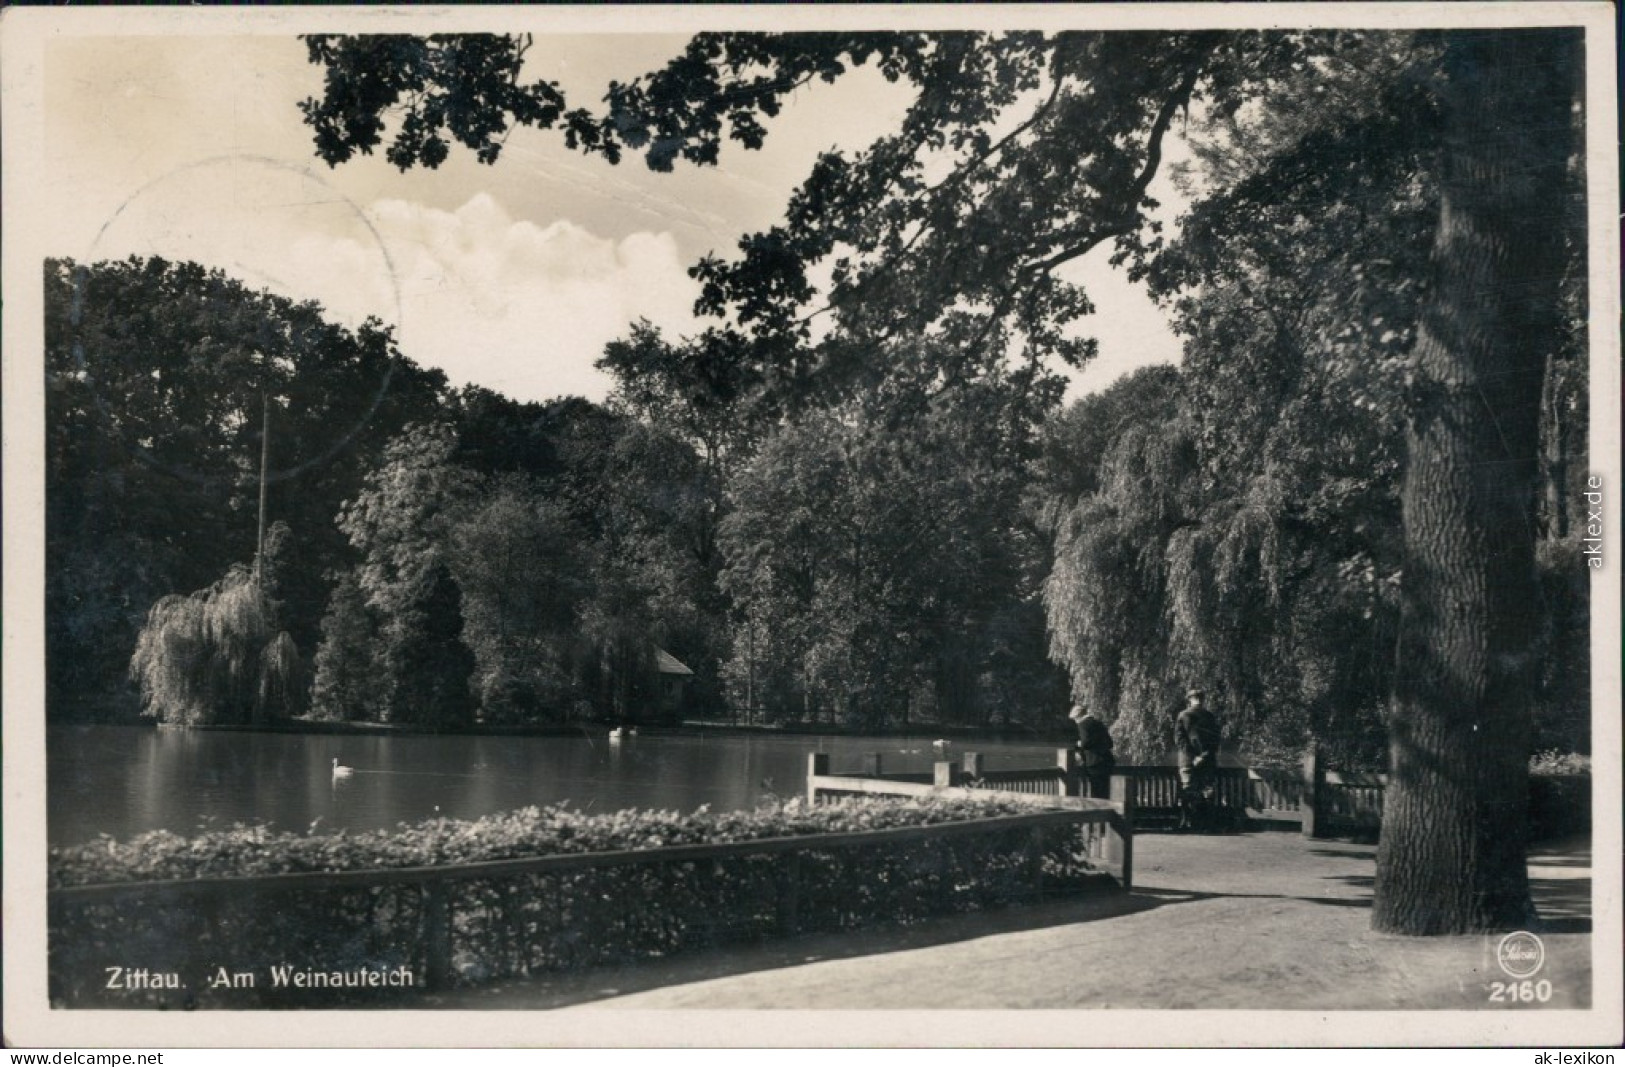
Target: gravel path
1262, 920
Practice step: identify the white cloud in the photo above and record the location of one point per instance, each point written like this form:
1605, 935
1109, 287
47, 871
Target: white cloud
521, 308
503, 302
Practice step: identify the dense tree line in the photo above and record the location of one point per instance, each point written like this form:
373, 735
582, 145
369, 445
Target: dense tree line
160, 380
551, 543
434, 557
457, 557
872, 561
884, 571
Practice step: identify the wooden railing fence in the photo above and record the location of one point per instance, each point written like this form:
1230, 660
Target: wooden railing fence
1108, 825
1318, 800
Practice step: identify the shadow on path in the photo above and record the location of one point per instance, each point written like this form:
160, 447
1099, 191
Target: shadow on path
1341, 853
571, 988
1182, 871
1183, 896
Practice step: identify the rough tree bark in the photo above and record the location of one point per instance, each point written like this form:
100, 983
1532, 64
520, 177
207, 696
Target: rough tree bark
1452, 854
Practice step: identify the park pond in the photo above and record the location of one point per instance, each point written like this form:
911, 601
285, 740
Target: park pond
123, 781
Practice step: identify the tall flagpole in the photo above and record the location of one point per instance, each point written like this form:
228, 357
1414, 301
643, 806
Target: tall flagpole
265, 456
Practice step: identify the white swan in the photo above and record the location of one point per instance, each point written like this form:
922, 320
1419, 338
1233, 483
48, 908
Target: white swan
616, 734
340, 771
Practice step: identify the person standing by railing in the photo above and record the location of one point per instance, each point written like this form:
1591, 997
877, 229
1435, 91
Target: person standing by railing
1196, 739
1094, 752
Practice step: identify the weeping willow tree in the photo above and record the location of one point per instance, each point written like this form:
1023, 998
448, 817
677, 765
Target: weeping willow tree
1108, 587
1174, 569
216, 657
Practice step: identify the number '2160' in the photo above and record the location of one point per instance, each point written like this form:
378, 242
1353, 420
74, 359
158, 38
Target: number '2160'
1521, 992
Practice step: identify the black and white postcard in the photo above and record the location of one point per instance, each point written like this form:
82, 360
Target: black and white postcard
1065, 525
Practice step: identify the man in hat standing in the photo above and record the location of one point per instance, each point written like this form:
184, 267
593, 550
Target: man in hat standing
1196, 739
1094, 752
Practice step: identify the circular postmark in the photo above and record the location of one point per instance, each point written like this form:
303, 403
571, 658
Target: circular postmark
260, 187
1520, 954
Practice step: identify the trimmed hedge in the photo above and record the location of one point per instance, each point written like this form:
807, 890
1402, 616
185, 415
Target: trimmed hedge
524, 833
522, 924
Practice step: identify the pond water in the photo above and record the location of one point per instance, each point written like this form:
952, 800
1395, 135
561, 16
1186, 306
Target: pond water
124, 781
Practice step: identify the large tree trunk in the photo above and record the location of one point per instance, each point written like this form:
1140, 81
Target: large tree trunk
1452, 858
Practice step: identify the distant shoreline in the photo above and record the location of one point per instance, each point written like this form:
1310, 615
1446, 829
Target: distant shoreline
1061, 736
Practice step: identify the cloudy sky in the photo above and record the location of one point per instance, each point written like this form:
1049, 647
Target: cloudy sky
512, 276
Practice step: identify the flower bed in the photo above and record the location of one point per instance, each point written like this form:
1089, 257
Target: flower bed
617, 889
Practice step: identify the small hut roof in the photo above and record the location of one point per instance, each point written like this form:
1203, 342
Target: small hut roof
667, 663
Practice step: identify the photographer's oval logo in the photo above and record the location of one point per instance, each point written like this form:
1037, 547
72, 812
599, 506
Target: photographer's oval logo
1520, 954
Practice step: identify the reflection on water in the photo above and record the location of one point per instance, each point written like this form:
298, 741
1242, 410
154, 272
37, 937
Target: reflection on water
125, 781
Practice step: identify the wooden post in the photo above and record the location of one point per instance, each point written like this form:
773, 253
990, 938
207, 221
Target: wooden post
436, 935
817, 767
945, 774
871, 765
1067, 760
1314, 777
972, 762
1120, 836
